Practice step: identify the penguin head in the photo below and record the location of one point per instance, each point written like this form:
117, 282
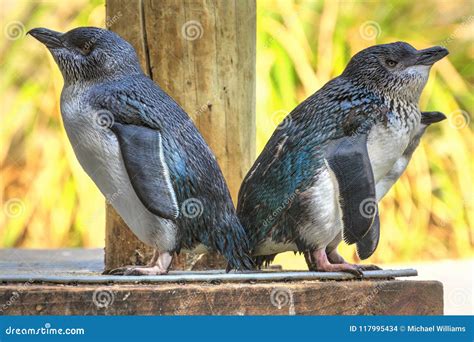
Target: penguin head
396, 68
89, 53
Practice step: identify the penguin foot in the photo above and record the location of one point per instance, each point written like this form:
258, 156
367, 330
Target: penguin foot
352, 269
335, 258
319, 262
159, 264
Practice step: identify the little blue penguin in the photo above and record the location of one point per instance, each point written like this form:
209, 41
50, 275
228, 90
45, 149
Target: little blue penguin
316, 182
143, 152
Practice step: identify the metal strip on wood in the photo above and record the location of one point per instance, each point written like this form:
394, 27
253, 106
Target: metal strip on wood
205, 277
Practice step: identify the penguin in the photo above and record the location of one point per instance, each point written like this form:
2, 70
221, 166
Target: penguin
143, 152
315, 182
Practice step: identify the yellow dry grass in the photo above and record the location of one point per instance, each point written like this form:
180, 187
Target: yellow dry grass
48, 201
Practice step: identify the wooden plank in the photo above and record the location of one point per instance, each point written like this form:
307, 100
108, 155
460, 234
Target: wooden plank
203, 54
281, 298
81, 290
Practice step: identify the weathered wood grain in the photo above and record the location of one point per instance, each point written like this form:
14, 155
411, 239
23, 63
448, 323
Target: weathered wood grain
27, 295
299, 298
203, 54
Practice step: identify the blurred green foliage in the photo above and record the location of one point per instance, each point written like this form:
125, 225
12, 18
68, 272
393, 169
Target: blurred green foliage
48, 201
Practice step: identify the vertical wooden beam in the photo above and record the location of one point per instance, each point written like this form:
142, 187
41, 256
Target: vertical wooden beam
202, 53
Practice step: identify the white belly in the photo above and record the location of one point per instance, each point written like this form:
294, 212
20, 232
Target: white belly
98, 152
326, 221
385, 146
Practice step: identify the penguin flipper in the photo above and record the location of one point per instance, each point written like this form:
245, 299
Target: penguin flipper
367, 246
348, 158
142, 153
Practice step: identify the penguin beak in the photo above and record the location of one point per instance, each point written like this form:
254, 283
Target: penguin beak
428, 118
49, 38
431, 55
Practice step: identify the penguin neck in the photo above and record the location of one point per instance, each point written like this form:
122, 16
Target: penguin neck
90, 81
402, 104
88, 74
403, 95
407, 89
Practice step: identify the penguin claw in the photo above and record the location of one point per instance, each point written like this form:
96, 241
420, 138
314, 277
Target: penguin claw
369, 267
354, 270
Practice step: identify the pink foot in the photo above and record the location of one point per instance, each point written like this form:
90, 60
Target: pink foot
159, 264
335, 258
323, 265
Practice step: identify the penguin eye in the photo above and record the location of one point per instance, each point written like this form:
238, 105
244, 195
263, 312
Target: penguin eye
391, 63
85, 49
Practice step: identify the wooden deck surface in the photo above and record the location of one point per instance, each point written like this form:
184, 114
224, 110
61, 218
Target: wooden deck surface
57, 282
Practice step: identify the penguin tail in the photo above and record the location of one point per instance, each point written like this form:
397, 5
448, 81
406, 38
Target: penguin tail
264, 260
235, 247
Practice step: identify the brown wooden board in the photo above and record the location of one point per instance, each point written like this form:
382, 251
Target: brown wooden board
393, 297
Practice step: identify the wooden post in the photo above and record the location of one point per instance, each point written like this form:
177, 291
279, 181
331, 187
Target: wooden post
202, 53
